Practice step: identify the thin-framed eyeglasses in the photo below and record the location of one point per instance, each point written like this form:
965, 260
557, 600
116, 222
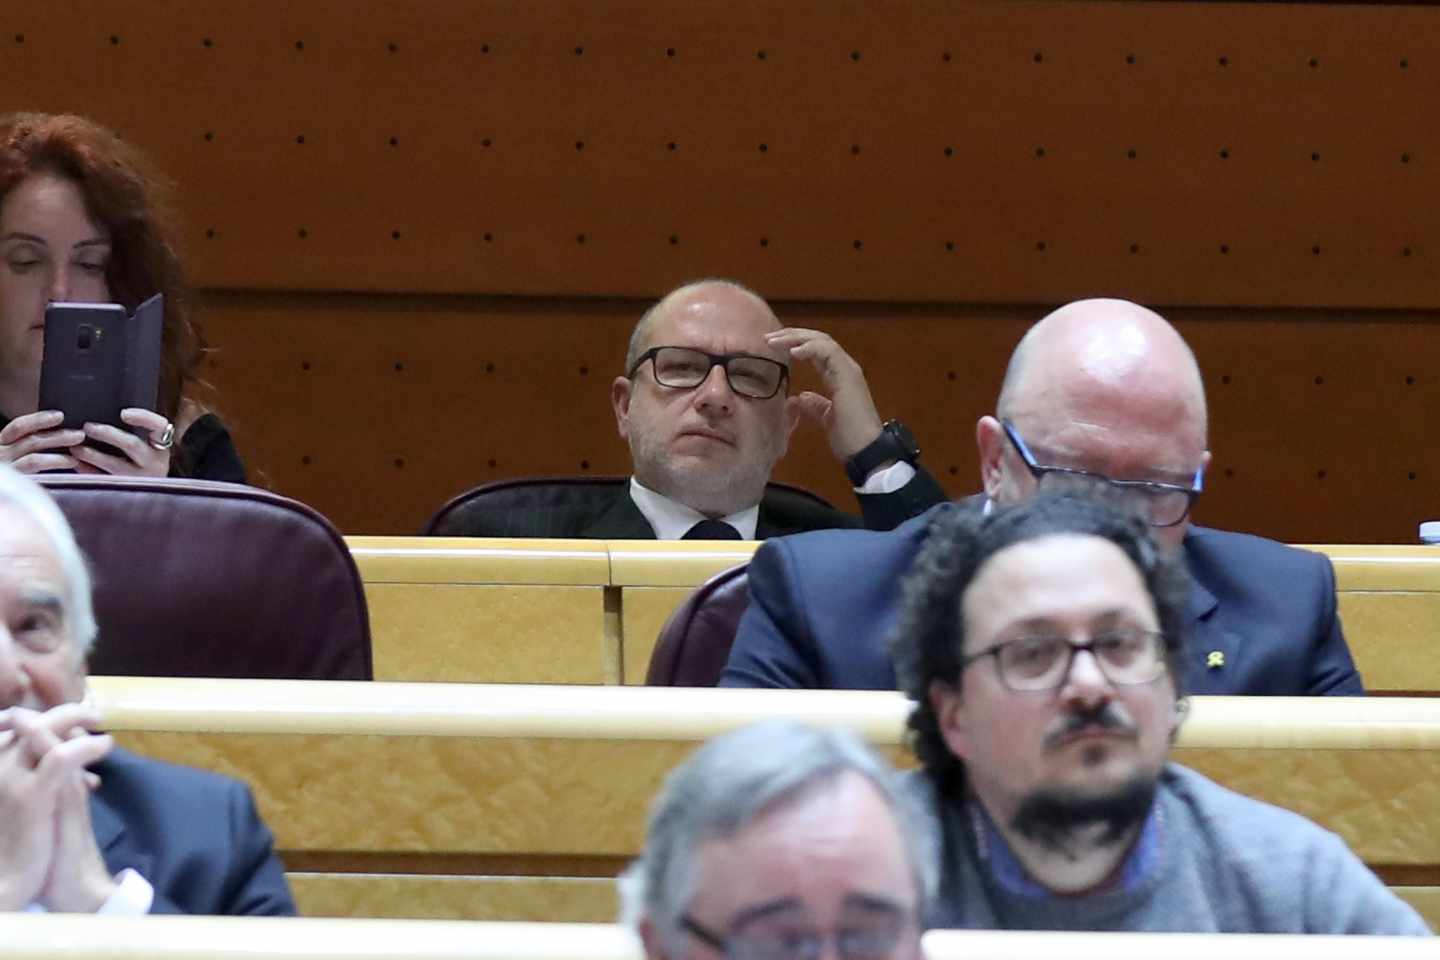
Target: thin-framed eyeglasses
875, 937
684, 368
1126, 657
1164, 504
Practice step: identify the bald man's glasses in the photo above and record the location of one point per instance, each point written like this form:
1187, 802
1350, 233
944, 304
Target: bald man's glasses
684, 368
1164, 504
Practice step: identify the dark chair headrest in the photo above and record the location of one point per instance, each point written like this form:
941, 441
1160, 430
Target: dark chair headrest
482, 511
695, 642
201, 579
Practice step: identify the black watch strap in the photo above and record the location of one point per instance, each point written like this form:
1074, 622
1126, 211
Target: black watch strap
895, 442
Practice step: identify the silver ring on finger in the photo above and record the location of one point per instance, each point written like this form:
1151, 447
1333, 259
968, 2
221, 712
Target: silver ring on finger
167, 439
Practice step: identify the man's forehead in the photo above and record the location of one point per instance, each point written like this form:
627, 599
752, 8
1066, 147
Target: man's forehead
1054, 578
26, 552
843, 829
715, 317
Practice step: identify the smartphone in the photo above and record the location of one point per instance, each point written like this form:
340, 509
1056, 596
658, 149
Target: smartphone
97, 361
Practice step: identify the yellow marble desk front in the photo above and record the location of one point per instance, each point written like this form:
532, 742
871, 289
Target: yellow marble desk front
554, 782
424, 897
643, 611
1389, 603
493, 633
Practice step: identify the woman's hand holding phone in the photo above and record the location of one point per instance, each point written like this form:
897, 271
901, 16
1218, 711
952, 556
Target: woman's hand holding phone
144, 456
35, 442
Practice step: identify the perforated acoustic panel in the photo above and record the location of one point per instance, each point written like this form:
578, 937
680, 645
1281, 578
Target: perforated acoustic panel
500, 187
1193, 153
380, 410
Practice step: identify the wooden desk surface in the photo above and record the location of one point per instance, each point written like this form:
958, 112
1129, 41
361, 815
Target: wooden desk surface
457, 560
677, 563
1014, 945
72, 937
674, 713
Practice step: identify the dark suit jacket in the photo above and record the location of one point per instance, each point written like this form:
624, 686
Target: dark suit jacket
195, 836
612, 515
822, 607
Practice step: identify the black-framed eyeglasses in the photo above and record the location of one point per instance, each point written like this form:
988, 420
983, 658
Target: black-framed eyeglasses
1164, 504
875, 937
1126, 656
684, 368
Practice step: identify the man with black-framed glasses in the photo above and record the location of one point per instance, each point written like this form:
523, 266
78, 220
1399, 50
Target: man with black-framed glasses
706, 408
1102, 393
1041, 643
706, 404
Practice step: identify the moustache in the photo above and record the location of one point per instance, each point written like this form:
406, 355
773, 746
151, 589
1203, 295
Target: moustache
1103, 716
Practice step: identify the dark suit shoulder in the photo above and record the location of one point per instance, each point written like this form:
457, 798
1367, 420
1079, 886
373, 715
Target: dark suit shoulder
1223, 559
821, 605
127, 775
901, 540
1269, 610
194, 835
783, 515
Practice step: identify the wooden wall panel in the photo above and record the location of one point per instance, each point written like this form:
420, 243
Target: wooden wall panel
378, 410
926, 167
980, 151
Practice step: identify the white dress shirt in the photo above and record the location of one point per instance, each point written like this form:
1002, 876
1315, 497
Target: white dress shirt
133, 896
671, 520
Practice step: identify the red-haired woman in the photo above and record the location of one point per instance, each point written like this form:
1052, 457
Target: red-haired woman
82, 219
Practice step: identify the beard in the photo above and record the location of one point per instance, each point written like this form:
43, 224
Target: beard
713, 490
1053, 817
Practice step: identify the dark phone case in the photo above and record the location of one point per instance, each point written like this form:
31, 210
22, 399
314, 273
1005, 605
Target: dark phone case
97, 361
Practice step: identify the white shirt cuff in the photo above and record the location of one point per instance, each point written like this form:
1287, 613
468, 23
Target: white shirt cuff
889, 480
133, 896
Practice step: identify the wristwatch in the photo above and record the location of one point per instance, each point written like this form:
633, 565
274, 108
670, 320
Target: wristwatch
895, 442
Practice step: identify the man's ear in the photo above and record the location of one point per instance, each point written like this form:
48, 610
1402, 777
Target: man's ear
950, 716
990, 443
620, 391
1205, 463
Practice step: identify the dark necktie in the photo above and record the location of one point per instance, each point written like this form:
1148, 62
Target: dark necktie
711, 530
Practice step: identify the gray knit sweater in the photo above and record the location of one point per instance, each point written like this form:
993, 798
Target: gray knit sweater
1226, 863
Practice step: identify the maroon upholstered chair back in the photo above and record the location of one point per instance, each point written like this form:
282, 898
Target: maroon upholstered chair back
695, 642
473, 512
200, 579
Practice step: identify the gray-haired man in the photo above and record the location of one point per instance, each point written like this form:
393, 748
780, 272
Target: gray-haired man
775, 841
86, 827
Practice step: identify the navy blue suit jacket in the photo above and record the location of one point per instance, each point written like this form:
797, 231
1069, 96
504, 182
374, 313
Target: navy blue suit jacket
822, 606
195, 836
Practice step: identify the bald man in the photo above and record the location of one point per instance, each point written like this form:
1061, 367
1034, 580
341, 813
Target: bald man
1099, 392
705, 405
